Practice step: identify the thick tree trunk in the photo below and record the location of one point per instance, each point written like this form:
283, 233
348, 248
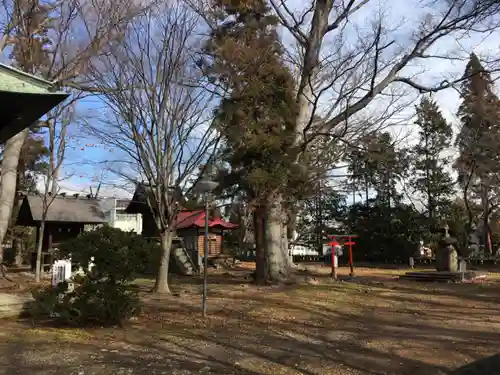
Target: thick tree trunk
39, 246
486, 212
161, 285
284, 242
11, 152
260, 248
277, 259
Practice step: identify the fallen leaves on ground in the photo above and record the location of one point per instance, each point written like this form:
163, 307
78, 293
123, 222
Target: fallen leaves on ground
372, 324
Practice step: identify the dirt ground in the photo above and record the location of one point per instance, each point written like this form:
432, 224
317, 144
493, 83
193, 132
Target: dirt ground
372, 324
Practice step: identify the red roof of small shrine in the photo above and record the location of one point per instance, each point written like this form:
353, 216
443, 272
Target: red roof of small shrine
188, 219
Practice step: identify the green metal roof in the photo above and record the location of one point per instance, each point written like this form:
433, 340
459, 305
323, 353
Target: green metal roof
14, 80
24, 98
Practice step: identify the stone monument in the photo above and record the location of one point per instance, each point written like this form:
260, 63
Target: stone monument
446, 254
447, 264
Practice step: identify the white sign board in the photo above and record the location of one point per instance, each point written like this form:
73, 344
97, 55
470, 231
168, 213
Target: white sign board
61, 272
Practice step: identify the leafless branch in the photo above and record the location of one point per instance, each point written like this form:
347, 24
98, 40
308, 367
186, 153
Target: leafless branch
162, 127
344, 66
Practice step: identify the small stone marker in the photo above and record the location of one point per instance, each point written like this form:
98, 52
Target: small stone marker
412, 262
462, 266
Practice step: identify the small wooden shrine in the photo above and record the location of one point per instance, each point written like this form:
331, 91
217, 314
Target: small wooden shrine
189, 225
23, 100
67, 217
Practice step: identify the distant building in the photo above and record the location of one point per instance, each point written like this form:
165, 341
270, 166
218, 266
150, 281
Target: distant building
116, 217
189, 225
301, 249
66, 217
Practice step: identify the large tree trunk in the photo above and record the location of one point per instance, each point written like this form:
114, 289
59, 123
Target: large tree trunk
260, 246
486, 213
11, 152
39, 246
277, 259
284, 241
161, 285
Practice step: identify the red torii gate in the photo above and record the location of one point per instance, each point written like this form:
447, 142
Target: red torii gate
349, 243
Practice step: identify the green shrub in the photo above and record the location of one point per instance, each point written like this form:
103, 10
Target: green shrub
103, 295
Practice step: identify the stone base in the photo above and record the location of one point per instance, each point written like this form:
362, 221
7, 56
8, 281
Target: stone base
443, 276
14, 306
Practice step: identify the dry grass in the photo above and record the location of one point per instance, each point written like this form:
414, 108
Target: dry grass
374, 325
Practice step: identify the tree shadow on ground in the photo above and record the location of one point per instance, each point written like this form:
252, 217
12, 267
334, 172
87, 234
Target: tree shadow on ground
486, 366
305, 329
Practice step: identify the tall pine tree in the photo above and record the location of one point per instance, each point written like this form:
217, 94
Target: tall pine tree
377, 164
257, 117
478, 163
431, 178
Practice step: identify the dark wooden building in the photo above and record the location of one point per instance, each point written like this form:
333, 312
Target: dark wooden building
67, 217
139, 205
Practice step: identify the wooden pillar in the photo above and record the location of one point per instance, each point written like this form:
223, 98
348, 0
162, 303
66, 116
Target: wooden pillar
48, 228
33, 253
37, 233
222, 241
49, 237
196, 250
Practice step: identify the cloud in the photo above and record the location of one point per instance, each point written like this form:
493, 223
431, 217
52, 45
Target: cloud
402, 17
77, 186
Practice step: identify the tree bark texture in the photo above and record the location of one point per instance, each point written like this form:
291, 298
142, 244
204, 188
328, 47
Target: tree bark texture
39, 246
277, 259
11, 153
260, 246
161, 285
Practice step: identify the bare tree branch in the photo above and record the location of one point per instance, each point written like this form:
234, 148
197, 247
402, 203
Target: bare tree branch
163, 126
345, 72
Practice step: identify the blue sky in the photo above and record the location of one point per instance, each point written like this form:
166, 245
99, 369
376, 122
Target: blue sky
85, 163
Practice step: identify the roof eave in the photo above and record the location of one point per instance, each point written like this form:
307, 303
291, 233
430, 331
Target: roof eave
43, 83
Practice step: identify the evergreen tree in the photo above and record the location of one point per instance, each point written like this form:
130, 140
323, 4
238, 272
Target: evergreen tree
360, 169
431, 179
479, 115
32, 163
377, 163
318, 216
478, 163
257, 117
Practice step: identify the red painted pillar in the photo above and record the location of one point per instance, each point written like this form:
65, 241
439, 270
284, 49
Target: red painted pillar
351, 263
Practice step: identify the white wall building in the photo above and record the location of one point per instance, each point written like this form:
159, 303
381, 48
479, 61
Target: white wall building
114, 211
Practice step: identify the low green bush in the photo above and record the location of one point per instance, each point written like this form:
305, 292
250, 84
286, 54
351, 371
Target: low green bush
102, 294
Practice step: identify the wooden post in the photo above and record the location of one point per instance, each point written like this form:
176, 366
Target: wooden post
334, 269
333, 243
351, 263
49, 237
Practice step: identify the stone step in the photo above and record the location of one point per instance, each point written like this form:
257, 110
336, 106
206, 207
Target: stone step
443, 276
183, 261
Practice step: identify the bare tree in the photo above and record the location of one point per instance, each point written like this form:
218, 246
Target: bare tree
345, 66
56, 40
156, 118
57, 123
